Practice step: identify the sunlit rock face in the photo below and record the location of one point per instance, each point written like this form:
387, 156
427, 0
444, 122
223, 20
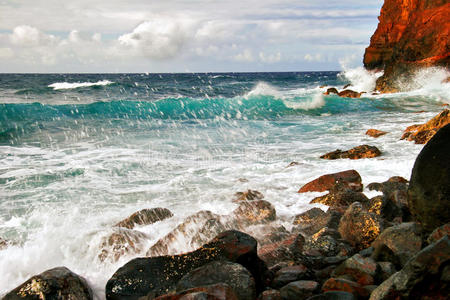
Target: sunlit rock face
411, 34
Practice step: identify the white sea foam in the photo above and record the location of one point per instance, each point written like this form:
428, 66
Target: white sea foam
74, 85
263, 88
361, 80
316, 101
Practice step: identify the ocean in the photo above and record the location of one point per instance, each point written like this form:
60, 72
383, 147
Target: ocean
80, 152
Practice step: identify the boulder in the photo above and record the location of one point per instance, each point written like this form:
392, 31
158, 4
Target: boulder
439, 233
341, 197
333, 295
187, 230
421, 134
363, 151
56, 283
283, 250
301, 289
410, 35
429, 187
315, 219
331, 91
270, 295
359, 227
220, 291
425, 276
394, 202
289, 274
159, 275
344, 285
322, 243
254, 212
350, 178
121, 242
359, 269
385, 270
145, 217
248, 195
398, 244
232, 274
375, 133
350, 94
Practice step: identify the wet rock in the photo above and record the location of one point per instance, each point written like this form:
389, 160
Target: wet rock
359, 227
3, 244
421, 134
394, 203
324, 242
385, 270
333, 295
270, 295
363, 151
375, 133
267, 234
220, 291
331, 91
398, 244
429, 187
439, 233
208, 231
350, 178
121, 242
290, 274
282, 251
254, 212
187, 230
299, 290
421, 277
315, 219
145, 217
293, 164
344, 285
233, 274
56, 283
349, 94
248, 195
155, 276
341, 197
359, 269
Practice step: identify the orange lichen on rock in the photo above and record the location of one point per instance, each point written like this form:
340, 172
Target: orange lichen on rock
422, 133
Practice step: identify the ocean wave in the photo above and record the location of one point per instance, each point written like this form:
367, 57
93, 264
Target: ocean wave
74, 85
361, 80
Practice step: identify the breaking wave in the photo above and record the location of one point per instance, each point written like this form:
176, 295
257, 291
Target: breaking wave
75, 85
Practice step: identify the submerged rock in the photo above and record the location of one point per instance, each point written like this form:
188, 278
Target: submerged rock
248, 195
56, 283
349, 94
363, 151
375, 133
421, 134
349, 178
3, 244
429, 187
145, 217
359, 227
254, 212
331, 91
232, 274
155, 276
122, 241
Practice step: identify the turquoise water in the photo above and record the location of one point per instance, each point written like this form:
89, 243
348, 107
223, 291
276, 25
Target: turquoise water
80, 152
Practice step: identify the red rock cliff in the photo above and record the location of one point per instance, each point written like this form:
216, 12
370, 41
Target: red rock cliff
410, 34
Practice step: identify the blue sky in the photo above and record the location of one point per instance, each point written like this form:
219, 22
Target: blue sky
184, 35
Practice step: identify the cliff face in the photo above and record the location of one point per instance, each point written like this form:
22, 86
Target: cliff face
410, 34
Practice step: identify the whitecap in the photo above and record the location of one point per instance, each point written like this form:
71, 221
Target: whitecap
74, 85
316, 101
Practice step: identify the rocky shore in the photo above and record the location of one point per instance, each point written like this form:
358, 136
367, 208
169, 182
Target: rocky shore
392, 246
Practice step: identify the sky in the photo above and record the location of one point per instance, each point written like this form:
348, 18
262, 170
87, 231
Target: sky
96, 36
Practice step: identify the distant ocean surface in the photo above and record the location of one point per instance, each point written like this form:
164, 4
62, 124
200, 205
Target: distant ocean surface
80, 152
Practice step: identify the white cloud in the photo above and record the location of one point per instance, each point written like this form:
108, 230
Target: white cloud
313, 57
6, 53
27, 36
271, 58
245, 56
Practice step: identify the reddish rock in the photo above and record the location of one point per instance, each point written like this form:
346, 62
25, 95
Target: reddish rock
421, 134
361, 270
344, 285
220, 291
439, 233
56, 283
290, 274
410, 34
341, 197
363, 151
281, 251
301, 289
315, 219
248, 195
349, 94
331, 91
145, 217
270, 295
375, 133
254, 212
350, 178
359, 227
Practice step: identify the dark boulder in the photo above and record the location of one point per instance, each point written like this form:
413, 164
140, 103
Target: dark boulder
439, 233
315, 219
425, 276
398, 244
220, 291
333, 295
57, 283
429, 187
159, 275
344, 285
350, 178
145, 217
270, 295
301, 289
359, 269
233, 274
341, 197
363, 151
289, 274
359, 227
331, 91
324, 242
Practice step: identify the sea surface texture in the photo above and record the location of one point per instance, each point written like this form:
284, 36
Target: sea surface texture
80, 152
